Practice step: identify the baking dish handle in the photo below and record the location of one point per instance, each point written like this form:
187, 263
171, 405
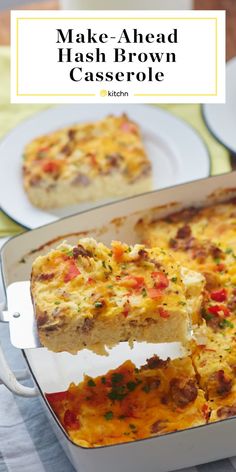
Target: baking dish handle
8, 378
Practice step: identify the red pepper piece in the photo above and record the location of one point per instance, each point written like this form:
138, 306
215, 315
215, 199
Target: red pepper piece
219, 295
161, 281
50, 166
70, 420
73, 271
56, 397
133, 281
220, 267
218, 310
118, 253
129, 127
154, 293
164, 313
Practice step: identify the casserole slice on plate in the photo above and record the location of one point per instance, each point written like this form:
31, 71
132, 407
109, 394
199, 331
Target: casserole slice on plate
86, 162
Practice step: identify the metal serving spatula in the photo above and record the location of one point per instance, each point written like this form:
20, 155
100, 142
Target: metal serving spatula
20, 315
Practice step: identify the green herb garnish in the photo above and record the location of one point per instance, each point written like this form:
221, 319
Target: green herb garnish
108, 415
132, 426
144, 292
217, 260
174, 279
225, 324
116, 377
91, 383
117, 393
131, 386
98, 304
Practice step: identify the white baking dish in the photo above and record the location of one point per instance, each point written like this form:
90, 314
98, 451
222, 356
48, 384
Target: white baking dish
53, 372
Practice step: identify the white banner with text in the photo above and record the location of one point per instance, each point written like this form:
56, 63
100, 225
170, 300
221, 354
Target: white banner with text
118, 56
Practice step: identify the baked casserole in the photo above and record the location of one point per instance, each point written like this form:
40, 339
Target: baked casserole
128, 403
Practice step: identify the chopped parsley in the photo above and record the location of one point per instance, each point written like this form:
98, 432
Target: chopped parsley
108, 415
117, 393
146, 388
98, 304
225, 324
144, 292
228, 250
104, 264
91, 383
217, 260
174, 279
132, 426
208, 316
131, 386
57, 303
116, 377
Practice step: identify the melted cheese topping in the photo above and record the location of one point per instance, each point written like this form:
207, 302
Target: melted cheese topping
129, 403
205, 240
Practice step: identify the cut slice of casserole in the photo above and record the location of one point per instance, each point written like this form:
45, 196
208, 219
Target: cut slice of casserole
130, 403
91, 296
86, 162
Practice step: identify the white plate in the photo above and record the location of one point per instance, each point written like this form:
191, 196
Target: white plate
175, 149
221, 119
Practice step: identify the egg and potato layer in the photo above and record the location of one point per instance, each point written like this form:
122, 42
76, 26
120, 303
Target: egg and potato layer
91, 296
